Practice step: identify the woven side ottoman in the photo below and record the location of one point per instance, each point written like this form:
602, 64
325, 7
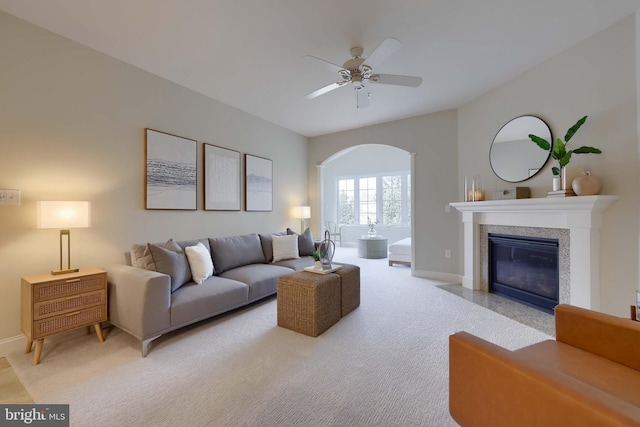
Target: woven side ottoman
349, 287
308, 303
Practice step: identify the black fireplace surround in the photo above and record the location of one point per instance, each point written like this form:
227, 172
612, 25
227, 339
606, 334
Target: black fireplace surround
525, 269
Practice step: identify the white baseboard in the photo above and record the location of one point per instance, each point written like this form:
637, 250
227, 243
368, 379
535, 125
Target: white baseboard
10, 345
441, 277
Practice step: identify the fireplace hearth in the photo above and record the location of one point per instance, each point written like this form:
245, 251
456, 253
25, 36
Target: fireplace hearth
525, 269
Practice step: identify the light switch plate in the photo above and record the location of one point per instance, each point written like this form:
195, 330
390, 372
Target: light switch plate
10, 197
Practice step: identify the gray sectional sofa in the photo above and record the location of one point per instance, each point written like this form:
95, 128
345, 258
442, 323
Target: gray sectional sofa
156, 293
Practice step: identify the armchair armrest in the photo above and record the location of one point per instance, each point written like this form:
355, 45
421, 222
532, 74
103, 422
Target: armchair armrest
139, 300
611, 337
492, 386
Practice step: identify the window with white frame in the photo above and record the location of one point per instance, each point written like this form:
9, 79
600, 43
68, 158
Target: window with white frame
384, 197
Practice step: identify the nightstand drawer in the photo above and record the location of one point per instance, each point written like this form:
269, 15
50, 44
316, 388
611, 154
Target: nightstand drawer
62, 288
72, 320
68, 304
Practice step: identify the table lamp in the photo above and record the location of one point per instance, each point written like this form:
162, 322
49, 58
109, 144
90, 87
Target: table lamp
64, 216
302, 212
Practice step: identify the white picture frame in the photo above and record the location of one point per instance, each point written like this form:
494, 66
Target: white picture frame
171, 171
221, 178
258, 184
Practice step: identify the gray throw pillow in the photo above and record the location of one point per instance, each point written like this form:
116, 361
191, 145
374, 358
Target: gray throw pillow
305, 242
170, 259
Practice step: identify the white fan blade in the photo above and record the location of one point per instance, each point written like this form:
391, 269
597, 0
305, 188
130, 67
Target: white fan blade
324, 90
382, 52
393, 79
330, 65
362, 98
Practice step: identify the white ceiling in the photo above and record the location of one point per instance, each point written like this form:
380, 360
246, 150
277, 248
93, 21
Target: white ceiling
251, 53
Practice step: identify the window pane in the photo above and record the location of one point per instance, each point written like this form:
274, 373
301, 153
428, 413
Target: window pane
346, 201
392, 200
367, 201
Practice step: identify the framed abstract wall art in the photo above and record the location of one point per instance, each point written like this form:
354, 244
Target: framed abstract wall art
171, 171
221, 178
258, 183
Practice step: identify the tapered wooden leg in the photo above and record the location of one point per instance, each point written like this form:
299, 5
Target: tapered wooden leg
99, 332
36, 356
88, 329
28, 347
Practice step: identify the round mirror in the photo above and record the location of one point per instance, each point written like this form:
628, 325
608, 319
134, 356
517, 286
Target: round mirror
513, 156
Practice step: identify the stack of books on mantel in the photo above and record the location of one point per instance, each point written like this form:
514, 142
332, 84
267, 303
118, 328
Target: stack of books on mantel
561, 193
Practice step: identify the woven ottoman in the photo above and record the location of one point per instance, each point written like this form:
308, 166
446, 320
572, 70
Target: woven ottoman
308, 303
349, 287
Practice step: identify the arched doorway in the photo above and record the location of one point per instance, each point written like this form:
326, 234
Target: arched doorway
370, 182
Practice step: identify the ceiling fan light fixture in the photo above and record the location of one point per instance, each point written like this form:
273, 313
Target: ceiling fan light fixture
356, 72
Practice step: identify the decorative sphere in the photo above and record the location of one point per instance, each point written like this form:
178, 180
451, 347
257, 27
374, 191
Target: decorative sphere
586, 185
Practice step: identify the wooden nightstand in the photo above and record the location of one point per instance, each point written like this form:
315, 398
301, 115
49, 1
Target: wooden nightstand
54, 304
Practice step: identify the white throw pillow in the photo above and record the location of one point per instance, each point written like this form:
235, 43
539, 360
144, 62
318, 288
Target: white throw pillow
285, 247
200, 262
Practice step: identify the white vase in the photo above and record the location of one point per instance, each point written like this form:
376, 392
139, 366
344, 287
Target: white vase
317, 265
557, 183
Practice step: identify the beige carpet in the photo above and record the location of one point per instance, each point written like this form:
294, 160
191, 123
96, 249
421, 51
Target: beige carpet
11, 389
385, 364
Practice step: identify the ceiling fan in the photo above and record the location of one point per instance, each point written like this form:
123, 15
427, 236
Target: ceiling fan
359, 72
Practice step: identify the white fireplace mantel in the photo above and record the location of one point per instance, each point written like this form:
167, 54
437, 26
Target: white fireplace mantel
581, 215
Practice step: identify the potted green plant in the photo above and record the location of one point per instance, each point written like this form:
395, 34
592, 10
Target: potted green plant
561, 151
316, 258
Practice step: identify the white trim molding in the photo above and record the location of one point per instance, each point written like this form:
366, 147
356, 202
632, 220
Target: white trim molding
581, 215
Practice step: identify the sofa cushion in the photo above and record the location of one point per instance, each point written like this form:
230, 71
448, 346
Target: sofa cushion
262, 279
285, 247
306, 246
185, 243
215, 295
170, 259
199, 262
266, 240
235, 251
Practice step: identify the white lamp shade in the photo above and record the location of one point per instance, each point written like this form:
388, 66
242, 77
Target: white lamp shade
64, 215
302, 212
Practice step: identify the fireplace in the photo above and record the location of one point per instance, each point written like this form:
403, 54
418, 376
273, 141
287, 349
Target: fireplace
525, 269
580, 217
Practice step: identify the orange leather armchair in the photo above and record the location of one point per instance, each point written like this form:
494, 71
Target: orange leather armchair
588, 376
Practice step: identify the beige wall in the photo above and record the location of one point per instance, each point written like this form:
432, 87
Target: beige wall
72, 126
595, 78
433, 140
